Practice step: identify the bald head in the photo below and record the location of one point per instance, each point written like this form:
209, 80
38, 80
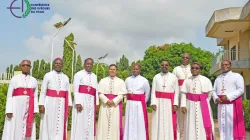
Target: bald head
25, 61
185, 59
226, 66
136, 69
137, 65
25, 66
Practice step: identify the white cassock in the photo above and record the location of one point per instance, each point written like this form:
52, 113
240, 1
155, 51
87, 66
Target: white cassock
232, 85
85, 91
110, 118
136, 120
164, 94
197, 94
19, 104
182, 72
54, 92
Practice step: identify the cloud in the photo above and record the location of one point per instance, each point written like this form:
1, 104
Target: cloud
124, 27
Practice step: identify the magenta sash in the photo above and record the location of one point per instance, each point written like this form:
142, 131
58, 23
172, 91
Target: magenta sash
30, 118
204, 111
62, 94
141, 98
180, 82
169, 95
92, 91
111, 97
238, 118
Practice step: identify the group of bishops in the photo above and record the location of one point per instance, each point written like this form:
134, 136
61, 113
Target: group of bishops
180, 101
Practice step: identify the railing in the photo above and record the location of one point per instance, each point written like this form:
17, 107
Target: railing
6, 76
232, 55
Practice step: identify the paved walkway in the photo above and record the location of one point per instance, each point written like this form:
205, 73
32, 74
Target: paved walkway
149, 123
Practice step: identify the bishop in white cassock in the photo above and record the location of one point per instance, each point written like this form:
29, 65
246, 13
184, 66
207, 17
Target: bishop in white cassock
85, 105
55, 98
21, 105
136, 118
111, 91
197, 91
164, 101
229, 87
182, 72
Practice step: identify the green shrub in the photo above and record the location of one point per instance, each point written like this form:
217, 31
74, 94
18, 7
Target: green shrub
246, 107
2, 108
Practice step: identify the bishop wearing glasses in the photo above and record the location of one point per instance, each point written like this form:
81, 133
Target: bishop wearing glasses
197, 91
164, 101
21, 105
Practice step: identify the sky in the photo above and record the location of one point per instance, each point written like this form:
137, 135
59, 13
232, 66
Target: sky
115, 27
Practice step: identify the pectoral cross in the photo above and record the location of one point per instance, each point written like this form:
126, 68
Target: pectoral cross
223, 89
89, 88
194, 89
24, 92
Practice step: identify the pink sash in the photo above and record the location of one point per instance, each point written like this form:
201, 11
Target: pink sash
204, 111
180, 82
92, 91
111, 97
141, 98
169, 95
30, 93
238, 118
62, 94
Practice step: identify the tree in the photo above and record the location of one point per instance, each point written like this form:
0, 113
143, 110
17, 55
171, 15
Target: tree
8, 70
11, 69
100, 73
173, 53
79, 65
123, 74
123, 64
67, 56
35, 69
41, 70
17, 68
47, 68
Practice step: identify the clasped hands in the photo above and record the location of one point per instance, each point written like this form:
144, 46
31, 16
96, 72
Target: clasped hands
110, 103
223, 99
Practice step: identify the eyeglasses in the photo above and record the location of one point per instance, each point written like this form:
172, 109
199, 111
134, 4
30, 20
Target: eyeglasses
197, 68
185, 57
164, 65
27, 65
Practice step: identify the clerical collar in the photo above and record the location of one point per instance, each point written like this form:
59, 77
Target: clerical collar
188, 65
112, 77
224, 74
88, 72
25, 74
135, 76
57, 72
164, 73
196, 76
